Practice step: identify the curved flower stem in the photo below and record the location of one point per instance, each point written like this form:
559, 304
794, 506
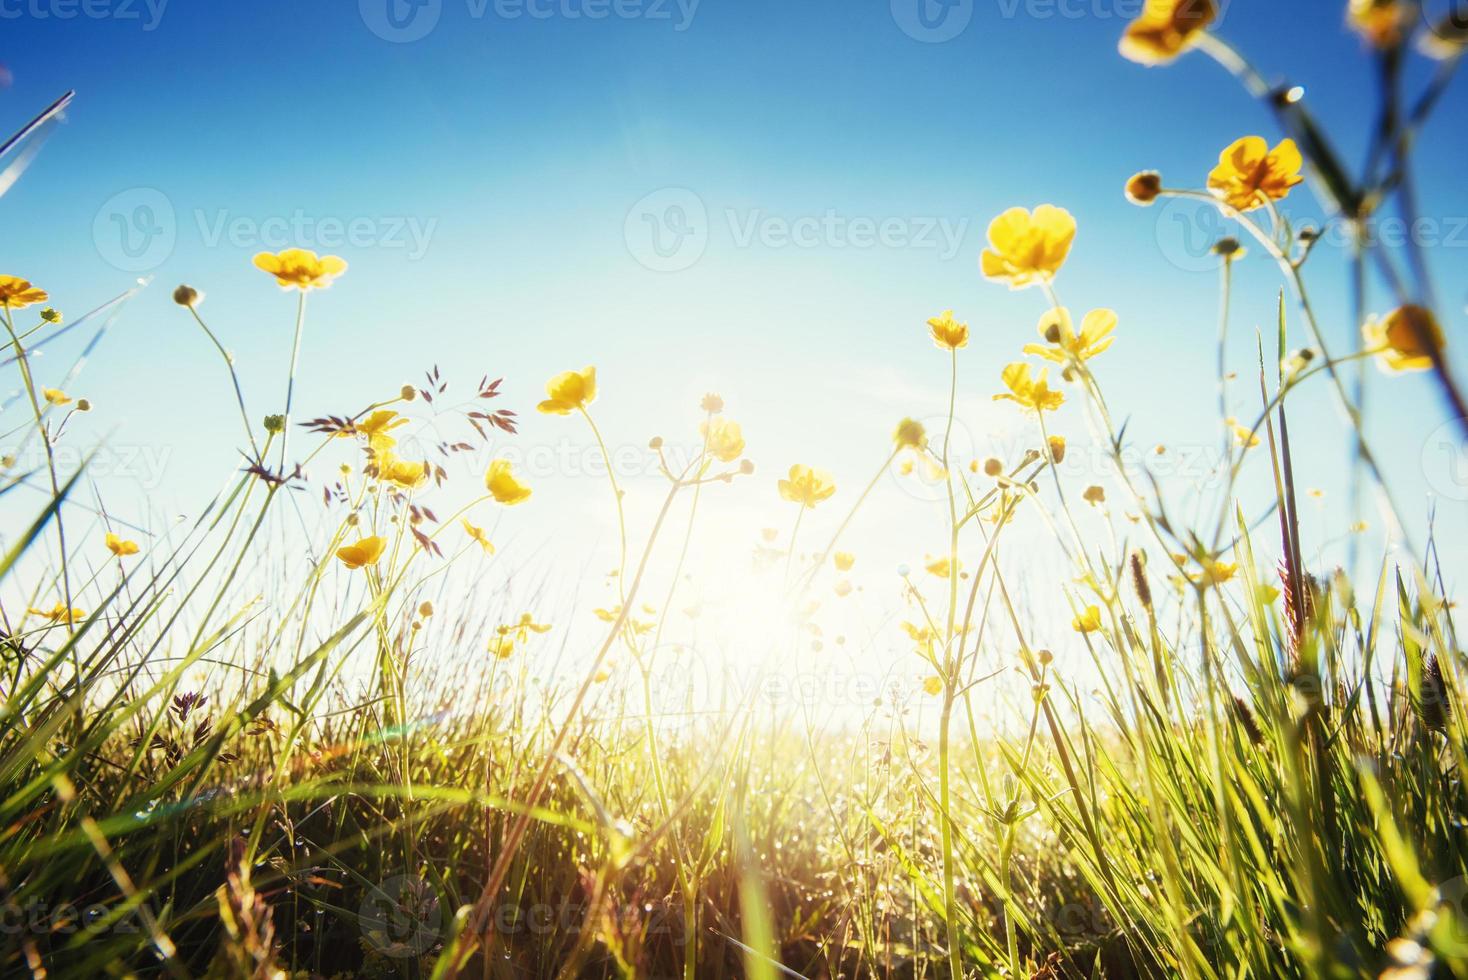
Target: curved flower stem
23, 360
1225, 293
234, 378
616, 493
846, 521
290, 384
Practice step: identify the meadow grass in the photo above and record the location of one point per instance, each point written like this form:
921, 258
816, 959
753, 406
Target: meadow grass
1258, 774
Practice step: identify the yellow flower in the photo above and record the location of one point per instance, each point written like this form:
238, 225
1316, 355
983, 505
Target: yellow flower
1024, 248
921, 635
525, 627
910, 434
502, 484
1142, 189
1055, 327
120, 547
1033, 394
401, 472
947, 332
477, 535
1165, 29
16, 293
376, 428
1405, 339
1094, 495
844, 560
1249, 173
942, 566
59, 613
365, 552
724, 438
301, 268
1057, 448
1214, 572
933, 686
502, 645
55, 396
843, 588
569, 391
1243, 435
1088, 621
1381, 22
807, 486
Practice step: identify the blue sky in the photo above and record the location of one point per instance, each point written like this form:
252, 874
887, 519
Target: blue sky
498, 176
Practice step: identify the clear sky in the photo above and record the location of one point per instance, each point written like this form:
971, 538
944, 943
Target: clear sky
766, 198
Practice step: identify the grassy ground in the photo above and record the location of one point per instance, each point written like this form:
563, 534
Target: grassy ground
210, 765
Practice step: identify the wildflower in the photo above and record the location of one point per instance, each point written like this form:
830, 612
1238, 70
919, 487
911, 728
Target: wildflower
59, 613
525, 626
55, 396
1057, 448
843, 588
275, 424
993, 467
1405, 339
844, 560
187, 296
933, 686
1033, 394
769, 534
1249, 173
942, 567
921, 635
1229, 248
910, 434
712, 404
16, 293
365, 552
569, 391
1243, 435
1142, 189
301, 268
1088, 621
502, 484
1024, 248
1094, 495
807, 486
477, 535
1166, 29
1383, 23
408, 393
1214, 572
376, 428
724, 439
1055, 326
502, 645
50, 315
948, 333
425, 609
120, 547
401, 472
83, 405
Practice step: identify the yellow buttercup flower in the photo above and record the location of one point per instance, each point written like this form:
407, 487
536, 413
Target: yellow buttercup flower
1243, 435
947, 332
910, 434
844, 560
365, 552
376, 427
524, 627
55, 396
724, 438
477, 535
933, 686
401, 472
1064, 343
59, 613
120, 547
1026, 249
1384, 23
502, 646
1165, 29
1088, 621
569, 391
807, 486
1404, 339
942, 566
1214, 572
1030, 393
1249, 173
503, 485
1143, 188
301, 268
16, 293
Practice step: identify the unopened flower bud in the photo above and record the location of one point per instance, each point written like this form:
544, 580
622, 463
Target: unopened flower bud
187, 296
993, 467
1144, 187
